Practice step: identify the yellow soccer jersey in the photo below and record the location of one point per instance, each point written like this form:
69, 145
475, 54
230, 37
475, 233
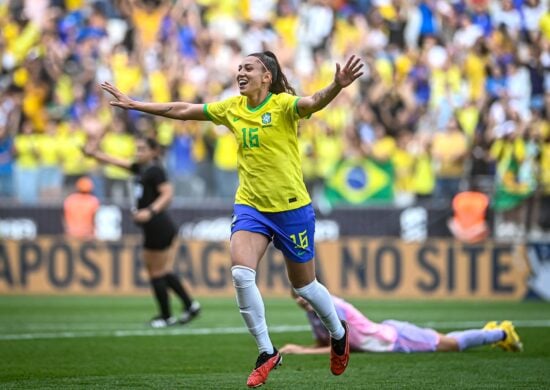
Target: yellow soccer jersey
268, 157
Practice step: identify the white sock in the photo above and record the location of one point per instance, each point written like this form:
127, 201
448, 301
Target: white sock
319, 298
251, 306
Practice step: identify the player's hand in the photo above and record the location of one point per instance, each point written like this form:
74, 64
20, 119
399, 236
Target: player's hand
122, 100
291, 349
349, 73
142, 215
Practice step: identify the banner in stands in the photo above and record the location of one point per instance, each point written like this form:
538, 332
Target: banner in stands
210, 223
369, 268
538, 255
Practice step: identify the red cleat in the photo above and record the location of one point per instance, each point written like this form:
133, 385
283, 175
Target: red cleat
339, 362
264, 364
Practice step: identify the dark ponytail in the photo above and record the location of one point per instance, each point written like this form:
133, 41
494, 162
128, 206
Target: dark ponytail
279, 82
152, 143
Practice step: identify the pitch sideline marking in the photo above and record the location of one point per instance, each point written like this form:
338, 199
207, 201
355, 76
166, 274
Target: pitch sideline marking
234, 330
173, 331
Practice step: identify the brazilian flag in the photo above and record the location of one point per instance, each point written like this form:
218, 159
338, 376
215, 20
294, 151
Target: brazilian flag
513, 187
360, 181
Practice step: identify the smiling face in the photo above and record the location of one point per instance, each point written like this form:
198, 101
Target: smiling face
252, 76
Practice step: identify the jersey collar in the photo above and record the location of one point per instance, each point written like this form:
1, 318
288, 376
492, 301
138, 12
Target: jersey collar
253, 109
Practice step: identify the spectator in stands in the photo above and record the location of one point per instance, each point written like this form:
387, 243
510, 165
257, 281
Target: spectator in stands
315, 23
479, 9
468, 33
225, 164
543, 219
72, 138
6, 162
424, 172
79, 209
533, 12
404, 163
449, 151
518, 88
26, 164
495, 83
507, 15
328, 148
118, 143
146, 16
474, 70
383, 146
182, 162
10, 115
509, 153
50, 176
428, 19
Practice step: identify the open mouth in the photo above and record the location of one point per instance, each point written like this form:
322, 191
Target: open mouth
242, 83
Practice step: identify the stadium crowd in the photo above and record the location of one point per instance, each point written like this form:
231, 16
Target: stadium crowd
456, 94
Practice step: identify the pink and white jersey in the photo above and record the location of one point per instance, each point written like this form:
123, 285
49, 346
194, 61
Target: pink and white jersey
364, 334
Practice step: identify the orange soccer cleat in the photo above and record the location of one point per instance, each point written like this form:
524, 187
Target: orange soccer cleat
339, 353
264, 364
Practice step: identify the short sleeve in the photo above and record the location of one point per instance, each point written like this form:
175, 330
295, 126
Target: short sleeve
134, 168
156, 176
217, 112
291, 103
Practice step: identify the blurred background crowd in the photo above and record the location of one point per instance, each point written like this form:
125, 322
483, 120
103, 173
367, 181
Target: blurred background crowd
455, 96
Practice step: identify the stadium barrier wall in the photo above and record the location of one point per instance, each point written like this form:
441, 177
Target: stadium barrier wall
354, 267
211, 222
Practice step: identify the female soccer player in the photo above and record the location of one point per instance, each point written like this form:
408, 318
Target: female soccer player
153, 193
271, 202
397, 336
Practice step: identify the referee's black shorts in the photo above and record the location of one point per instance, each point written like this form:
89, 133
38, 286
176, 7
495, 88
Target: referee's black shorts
159, 232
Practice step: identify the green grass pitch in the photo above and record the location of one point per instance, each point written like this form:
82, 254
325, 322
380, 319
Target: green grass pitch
104, 343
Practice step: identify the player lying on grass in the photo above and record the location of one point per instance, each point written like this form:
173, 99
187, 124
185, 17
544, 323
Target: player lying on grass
397, 336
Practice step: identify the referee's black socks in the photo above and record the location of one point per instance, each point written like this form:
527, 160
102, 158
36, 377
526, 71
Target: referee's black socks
173, 282
161, 294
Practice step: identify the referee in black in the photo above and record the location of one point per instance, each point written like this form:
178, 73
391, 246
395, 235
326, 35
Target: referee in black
153, 193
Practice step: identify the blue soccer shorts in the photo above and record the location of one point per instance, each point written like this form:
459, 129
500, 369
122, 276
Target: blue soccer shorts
292, 231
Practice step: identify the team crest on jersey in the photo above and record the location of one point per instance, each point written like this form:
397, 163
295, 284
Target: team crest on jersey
266, 118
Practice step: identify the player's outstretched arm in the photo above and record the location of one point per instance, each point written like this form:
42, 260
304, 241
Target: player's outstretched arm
94, 152
174, 110
295, 349
342, 78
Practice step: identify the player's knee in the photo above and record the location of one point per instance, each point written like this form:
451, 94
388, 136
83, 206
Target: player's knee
448, 344
243, 276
